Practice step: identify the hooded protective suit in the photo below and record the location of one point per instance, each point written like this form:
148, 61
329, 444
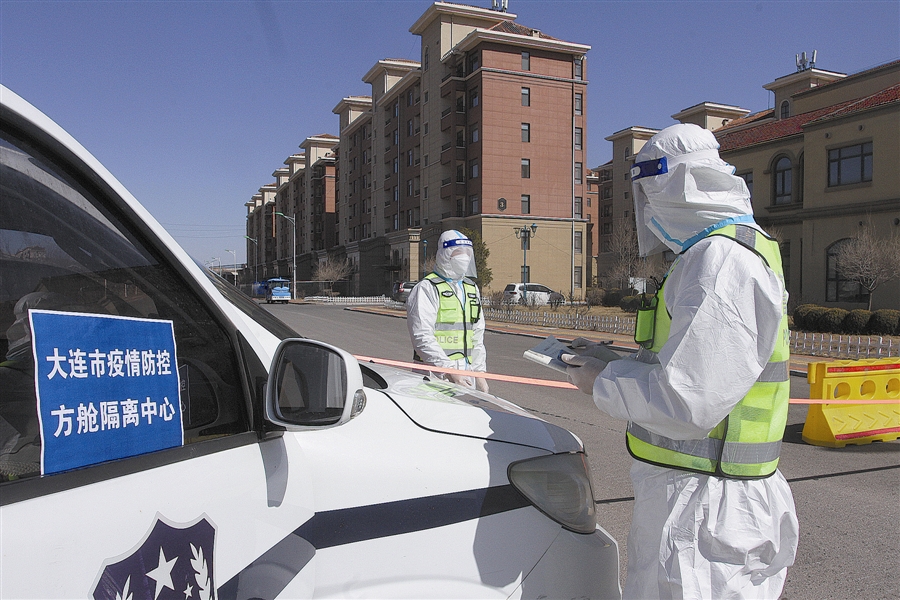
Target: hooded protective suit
696, 535
454, 264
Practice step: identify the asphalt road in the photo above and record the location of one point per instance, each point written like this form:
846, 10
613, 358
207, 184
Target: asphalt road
848, 500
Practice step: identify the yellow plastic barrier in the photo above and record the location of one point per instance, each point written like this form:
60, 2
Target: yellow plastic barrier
836, 425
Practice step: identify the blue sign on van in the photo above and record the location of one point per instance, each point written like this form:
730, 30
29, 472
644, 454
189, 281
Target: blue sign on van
107, 387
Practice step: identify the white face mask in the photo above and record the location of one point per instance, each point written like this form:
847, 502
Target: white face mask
459, 266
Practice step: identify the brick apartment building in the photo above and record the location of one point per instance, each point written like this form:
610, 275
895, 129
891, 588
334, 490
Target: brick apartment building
821, 164
487, 131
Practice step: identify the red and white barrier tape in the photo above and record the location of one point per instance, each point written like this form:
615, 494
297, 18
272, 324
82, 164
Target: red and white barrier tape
562, 384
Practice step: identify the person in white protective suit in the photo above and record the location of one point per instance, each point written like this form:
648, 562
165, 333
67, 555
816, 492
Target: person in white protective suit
706, 395
444, 313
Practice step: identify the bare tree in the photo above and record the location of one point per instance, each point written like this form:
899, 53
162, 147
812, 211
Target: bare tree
330, 270
869, 260
627, 261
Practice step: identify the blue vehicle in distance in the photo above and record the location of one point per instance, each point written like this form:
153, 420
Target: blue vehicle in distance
278, 290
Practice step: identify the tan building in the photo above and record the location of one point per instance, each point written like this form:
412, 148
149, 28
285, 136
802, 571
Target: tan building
822, 164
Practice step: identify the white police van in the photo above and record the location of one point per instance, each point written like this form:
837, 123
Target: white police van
161, 436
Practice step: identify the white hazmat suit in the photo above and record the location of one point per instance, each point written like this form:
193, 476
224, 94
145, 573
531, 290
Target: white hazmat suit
454, 261
695, 535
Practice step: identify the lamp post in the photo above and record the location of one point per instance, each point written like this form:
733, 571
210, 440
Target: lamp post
255, 257
216, 258
525, 233
293, 221
233, 265
424, 257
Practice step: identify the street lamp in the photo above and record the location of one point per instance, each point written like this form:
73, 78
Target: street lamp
216, 258
255, 257
424, 257
525, 233
233, 265
293, 221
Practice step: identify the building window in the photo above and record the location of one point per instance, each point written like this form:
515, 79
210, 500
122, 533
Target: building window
473, 205
526, 168
606, 229
526, 132
748, 179
606, 210
473, 168
627, 155
578, 135
579, 99
396, 193
579, 68
473, 98
578, 277
409, 127
526, 61
409, 188
837, 287
577, 242
850, 164
396, 136
785, 109
578, 207
397, 109
578, 172
425, 60
396, 165
783, 185
526, 96
474, 134
526, 204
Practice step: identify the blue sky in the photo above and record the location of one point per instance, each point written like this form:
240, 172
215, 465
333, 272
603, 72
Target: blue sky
193, 105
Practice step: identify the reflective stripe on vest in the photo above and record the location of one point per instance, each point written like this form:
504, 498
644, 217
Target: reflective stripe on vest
747, 443
452, 328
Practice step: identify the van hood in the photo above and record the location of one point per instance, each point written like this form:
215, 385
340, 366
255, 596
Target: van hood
448, 408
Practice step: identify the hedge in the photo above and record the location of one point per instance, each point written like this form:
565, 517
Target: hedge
885, 322
856, 321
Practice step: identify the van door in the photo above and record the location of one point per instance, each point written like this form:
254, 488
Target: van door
111, 486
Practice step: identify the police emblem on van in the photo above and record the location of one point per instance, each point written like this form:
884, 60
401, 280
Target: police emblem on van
175, 561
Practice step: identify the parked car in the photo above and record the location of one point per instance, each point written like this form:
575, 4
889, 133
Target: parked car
532, 294
278, 290
401, 289
163, 435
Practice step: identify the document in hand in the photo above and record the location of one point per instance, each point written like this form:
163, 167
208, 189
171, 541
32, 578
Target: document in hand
548, 351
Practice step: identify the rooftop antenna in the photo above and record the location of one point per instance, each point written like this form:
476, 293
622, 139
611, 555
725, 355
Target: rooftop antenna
500, 5
812, 62
803, 64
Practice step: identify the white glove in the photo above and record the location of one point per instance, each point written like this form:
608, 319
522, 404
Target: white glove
583, 371
585, 347
460, 379
481, 385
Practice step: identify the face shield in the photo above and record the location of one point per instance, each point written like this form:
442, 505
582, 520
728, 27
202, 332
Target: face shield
455, 257
683, 190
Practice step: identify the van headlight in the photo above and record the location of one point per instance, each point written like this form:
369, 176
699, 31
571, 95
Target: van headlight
559, 486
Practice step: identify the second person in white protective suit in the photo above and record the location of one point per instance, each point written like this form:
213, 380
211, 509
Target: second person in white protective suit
444, 317
706, 396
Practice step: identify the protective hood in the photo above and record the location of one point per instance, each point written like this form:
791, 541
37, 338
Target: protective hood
683, 190
455, 257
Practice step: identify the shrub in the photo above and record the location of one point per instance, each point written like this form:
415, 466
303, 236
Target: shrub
856, 322
814, 318
594, 296
801, 316
831, 319
612, 297
884, 322
630, 303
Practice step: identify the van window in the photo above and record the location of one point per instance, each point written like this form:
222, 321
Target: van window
62, 248
510, 288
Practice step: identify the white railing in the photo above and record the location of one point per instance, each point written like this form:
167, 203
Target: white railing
563, 320
809, 344
356, 300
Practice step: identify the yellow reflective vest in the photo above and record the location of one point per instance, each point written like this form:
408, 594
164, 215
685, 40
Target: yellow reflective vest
747, 443
453, 327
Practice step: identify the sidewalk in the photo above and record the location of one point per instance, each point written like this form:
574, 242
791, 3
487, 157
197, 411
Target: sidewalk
799, 362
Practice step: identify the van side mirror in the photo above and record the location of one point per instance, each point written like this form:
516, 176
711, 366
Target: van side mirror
312, 384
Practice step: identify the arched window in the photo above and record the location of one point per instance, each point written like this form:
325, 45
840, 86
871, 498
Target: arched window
782, 194
837, 287
785, 109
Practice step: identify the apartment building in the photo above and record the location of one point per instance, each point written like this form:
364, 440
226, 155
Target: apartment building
821, 164
487, 131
